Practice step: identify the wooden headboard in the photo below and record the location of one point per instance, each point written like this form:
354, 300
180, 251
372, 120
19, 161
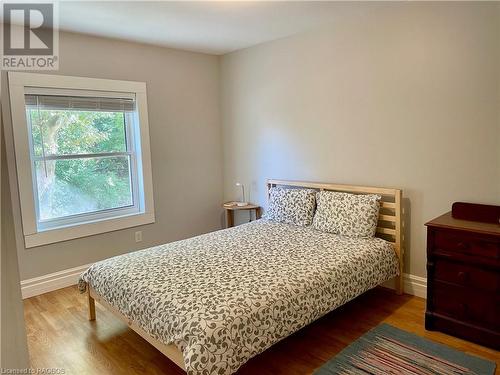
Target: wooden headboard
389, 220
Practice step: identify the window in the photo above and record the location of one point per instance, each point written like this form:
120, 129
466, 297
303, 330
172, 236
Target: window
83, 157
82, 154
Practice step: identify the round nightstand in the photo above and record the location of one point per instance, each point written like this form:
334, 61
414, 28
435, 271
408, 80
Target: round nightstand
230, 212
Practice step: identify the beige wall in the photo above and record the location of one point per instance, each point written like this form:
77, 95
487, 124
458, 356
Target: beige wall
498, 89
183, 101
14, 348
403, 95
397, 94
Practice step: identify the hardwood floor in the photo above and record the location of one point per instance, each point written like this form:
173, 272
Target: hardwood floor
60, 336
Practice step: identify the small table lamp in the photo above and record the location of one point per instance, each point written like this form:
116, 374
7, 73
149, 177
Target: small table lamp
243, 201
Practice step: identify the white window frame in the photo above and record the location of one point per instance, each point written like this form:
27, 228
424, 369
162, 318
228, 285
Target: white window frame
94, 223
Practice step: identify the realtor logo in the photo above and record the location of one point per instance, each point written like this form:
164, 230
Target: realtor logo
30, 36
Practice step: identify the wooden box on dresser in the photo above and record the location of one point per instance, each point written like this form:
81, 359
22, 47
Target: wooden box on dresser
463, 279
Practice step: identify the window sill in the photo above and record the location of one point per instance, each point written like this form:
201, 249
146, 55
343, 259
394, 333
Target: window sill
87, 229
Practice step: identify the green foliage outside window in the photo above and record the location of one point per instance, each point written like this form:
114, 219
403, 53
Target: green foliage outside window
80, 184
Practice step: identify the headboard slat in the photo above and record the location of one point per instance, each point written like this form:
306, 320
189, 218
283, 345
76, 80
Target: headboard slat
384, 217
389, 205
383, 230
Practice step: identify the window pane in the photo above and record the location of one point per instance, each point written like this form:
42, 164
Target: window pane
76, 132
75, 186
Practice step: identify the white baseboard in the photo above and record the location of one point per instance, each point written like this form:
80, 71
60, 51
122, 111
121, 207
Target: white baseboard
52, 281
414, 285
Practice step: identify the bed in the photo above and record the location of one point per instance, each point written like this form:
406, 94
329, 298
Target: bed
212, 302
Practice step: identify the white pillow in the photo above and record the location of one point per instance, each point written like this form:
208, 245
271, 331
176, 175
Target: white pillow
291, 206
351, 215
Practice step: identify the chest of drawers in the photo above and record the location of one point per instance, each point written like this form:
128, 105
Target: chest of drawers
463, 279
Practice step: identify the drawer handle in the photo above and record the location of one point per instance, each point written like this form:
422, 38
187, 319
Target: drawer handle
462, 246
462, 276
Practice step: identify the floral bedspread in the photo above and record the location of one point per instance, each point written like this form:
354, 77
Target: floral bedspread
226, 296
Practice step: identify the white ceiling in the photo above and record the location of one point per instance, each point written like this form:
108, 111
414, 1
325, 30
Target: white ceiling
215, 27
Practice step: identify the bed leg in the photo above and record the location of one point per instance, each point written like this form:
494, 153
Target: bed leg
91, 306
399, 284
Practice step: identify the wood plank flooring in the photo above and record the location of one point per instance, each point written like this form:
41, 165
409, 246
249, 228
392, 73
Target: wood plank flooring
60, 336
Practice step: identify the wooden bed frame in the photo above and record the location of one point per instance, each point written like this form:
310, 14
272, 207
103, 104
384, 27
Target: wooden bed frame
389, 228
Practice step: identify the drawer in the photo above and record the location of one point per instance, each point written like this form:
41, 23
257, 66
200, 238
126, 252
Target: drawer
466, 275
467, 244
462, 304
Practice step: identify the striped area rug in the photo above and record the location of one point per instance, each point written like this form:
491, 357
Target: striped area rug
388, 350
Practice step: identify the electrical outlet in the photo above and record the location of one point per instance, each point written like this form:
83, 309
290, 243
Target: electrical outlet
138, 236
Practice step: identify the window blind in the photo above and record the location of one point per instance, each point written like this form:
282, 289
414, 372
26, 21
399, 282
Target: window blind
80, 103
